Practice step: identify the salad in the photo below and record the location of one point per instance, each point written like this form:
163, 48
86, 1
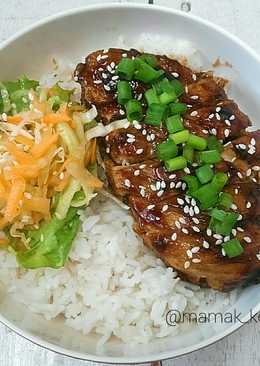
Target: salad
47, 171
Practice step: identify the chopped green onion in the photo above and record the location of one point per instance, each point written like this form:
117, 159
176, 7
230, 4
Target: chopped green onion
155, 114
126, 68
176, 163
178, 87
210, 157
207, 196
193, 183
219, 181
225, 227
174, 124
167, 150
163, 86
197, 142
134, 110
178, 108
217, 214
149, 59
233, 248
167, 98
180, 137
205, 174
214, 144
188, 153
151, 97
225, 200
145, 73
124, 92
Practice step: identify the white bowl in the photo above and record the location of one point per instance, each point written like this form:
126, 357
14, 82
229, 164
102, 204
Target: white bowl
74, 34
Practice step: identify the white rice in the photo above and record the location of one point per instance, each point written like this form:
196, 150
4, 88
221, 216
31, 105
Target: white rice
111, 285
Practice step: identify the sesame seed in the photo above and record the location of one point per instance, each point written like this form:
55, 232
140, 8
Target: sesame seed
194, 77
144, 132
223, 252
239, 175
178, 185
97, 81
160, 193
194, 97
177, 224
136, 173
231, 118
214, 131
183, 186
211, 116
152, 136
205, 132
218, 109
236, 191
234, 232
196, 260
139, 151
180, 201
240, 229
150, 207
142, 166
122, 112
104, 76
127, 183
227, 122
124, 54
226, 132
219, 241
187, 264
182, 220
172, 185
217, 236
187, 199
165, 208
253, 142
107, 87
194, 113
191, 211
186, 209
196, 229
251, 150
227, 238
196, 210
185, 231
195, 249
240, 217
247, 239
174, 236
187, 170
163, 184
158, 185
189, 253
218, 116
256, 168
209, 232
193, 202
233, 206
195, 220
175, 74
205, 244
142, 192
258, 256
172, 176
248, 204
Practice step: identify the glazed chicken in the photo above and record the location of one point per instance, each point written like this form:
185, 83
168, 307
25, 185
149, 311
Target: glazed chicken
170, 222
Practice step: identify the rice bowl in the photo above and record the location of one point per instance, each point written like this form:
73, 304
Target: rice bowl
127, 279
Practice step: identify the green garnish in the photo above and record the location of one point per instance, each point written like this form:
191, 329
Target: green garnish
180, 137
210, 157
233, 248
197, 142
134, 110
167, 150
205, 174
151, 97
178, 108
124, 92
155, 114
176, 163
126, 68
174, 124
188, 153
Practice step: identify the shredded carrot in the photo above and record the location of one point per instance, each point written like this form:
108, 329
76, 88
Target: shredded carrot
39, 150
3, 222
90, 157
94, 151
54, 118
24, 140
16, 119
38, 204
15, 196
38, 105
62, 184
21, 156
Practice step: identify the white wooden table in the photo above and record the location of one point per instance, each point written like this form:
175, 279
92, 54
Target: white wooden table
240, 17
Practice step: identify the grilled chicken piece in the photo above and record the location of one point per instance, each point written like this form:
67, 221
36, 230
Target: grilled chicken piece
169, 222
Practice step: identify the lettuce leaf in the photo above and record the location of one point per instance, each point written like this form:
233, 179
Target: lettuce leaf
51, 243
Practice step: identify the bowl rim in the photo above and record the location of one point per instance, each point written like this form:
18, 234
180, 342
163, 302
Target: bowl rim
160, 355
